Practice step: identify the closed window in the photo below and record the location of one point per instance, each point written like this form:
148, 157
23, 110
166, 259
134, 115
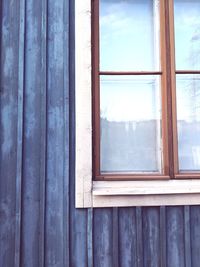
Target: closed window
146, 89
137, 102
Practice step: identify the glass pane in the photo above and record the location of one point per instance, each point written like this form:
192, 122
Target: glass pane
130, 124
129, 35
187, 34
188, 114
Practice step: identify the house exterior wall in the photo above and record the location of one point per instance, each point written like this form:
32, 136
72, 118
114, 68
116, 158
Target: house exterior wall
39, 225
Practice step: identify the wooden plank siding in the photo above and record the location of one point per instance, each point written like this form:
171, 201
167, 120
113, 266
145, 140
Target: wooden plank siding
39, 225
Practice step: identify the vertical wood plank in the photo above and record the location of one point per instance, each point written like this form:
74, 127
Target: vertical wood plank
79, 229
163, 237
175, 237
43, 137
90, 237
19, 131
78, 238
151, 237
195, 235
103, 238
34, 137
187, 236
56, 246
67, 9
139, 237
9, 139
115, 237
127, 237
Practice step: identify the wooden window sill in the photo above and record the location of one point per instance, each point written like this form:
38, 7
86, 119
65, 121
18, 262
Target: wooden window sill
145, 193
108, 188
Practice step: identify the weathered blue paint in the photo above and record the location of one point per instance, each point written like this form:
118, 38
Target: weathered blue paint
9, 212
39, 225
20, 109
32, 131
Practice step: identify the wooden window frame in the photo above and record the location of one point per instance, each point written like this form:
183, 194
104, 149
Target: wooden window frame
98, 193
167, 173
168, 99
177, 173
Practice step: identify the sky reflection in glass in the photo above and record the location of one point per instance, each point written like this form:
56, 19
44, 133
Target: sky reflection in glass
187, 34
129, 35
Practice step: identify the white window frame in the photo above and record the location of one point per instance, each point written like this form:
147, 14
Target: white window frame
91, 193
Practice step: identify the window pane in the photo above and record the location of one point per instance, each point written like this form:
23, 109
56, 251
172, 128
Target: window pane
187, 34
188, 114
129, 35
130, 124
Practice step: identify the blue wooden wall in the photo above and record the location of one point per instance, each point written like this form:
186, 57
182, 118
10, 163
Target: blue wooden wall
39, 225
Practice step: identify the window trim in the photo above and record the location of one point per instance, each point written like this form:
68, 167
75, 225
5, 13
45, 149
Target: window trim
111, 193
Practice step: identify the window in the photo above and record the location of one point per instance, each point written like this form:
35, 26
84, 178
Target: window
146, 110
137, 102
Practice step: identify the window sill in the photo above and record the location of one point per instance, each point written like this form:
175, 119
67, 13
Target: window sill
146, 193
140, 193
109, 188
145, 200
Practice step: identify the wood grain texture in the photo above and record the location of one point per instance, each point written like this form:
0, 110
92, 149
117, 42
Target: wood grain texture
115, 237
90, 238
39, 225
32, 127
175, 237
43, 106
163, 237
20, 109
195, 235
187, 237
151, 237
127, 237
139, 237
103, 237
10, 170
57, 134
152, 187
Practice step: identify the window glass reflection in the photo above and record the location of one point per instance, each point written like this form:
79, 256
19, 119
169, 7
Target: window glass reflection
129, 35
187, 34
188, 115
130, 124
